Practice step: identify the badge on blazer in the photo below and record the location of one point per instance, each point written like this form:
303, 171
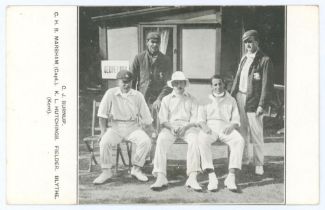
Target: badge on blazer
257, 76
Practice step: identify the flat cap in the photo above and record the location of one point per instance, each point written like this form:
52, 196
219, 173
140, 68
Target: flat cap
153, 35
124, 75
249, 34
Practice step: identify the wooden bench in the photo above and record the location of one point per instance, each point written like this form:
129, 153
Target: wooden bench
180, 141
93, 140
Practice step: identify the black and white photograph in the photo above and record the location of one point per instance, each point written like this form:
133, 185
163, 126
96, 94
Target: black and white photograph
161, 105
182, 105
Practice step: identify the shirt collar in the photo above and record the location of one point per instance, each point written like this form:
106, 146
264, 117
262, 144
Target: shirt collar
184, 94
119, 92
213, 97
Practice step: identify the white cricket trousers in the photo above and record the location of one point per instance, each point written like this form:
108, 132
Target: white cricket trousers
114, 135
252, 131
234, 140
165, 140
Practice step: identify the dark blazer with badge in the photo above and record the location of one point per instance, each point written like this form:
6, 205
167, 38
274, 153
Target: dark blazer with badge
260, 82
151, 77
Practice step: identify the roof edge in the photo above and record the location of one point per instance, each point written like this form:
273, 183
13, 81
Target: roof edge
133, 13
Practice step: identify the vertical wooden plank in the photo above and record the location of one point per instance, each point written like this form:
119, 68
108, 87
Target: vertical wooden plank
102, 33
218, 50
103, 42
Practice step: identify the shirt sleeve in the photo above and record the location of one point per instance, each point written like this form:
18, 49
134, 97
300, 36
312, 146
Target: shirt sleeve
105, 105
202, 114
194, 111
145, 114
164, 111
235, 118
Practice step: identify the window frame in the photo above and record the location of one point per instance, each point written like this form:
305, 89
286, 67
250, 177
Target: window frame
217, 49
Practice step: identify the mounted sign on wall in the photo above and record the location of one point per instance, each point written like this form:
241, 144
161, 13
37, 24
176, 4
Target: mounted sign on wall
111, 67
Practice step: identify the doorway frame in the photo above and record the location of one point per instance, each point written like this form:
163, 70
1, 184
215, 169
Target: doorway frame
141, 39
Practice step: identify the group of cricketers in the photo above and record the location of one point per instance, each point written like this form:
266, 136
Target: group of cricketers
227, 118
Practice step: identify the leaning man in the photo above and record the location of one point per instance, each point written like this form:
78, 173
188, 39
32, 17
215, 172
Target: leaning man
152, 69
123, 109
252, 88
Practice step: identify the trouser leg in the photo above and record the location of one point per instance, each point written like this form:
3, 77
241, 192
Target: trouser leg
143, 144
204, 142
108, 140
236, 144
155, 123
164, 141
193, 152
244, 125
256, 127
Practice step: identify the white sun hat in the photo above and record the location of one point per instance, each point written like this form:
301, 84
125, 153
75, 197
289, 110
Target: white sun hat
180, 76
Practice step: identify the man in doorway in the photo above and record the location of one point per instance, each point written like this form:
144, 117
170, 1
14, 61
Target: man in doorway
152, 69
252, 88
122, 108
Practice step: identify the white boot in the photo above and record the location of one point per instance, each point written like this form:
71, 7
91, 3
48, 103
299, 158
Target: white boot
138, 174
104, 176
230, 182
213, 182
160, 183
192, 182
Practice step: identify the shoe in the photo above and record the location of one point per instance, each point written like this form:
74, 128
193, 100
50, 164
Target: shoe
213, 185
230, 183
160, 183
259, 170
192, 183
103, 177
138, 174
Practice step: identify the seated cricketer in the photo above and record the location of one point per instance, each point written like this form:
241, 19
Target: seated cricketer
219, 121
124, 109
177, 115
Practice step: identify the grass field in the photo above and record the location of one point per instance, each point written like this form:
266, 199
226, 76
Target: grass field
123, 189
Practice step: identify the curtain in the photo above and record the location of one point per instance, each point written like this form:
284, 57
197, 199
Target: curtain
164, 36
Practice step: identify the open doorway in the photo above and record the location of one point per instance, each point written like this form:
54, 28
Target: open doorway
168, 40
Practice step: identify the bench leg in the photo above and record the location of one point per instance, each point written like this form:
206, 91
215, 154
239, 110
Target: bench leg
129, 151
118, 151
91, 155
90, 162
122, 157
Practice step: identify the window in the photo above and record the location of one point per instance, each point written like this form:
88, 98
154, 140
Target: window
122, 43
200, 52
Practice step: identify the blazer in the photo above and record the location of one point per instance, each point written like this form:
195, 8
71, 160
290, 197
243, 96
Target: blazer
152, 77
260, 86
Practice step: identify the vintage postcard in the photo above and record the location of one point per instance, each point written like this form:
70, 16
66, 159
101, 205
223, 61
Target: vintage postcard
162, 105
